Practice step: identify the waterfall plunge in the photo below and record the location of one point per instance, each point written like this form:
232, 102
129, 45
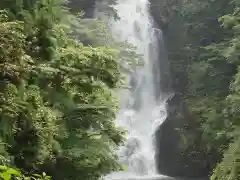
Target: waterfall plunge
135, 26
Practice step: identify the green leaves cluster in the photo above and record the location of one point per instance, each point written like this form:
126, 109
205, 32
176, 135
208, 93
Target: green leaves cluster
9, 173
57, 103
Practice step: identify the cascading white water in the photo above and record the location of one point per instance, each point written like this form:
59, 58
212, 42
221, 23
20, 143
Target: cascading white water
135, 26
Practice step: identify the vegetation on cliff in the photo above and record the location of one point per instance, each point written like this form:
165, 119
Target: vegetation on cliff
202, 39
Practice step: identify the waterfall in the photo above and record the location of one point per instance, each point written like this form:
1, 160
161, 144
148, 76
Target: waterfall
144, 112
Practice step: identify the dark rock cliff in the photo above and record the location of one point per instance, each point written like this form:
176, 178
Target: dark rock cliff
180, 150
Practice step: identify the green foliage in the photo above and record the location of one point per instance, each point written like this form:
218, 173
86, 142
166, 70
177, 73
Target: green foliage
7, 173
57, 97
94, 32
229, 168
202, 39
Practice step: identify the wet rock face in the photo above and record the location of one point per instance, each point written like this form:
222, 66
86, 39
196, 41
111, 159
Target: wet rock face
175, 155
166, 145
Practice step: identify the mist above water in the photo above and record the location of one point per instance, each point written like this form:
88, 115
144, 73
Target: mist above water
143, 112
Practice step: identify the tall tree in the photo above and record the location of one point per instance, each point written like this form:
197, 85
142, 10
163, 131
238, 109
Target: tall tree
58, 105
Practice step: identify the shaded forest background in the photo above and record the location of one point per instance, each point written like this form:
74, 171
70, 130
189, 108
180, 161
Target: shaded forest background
59, 68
